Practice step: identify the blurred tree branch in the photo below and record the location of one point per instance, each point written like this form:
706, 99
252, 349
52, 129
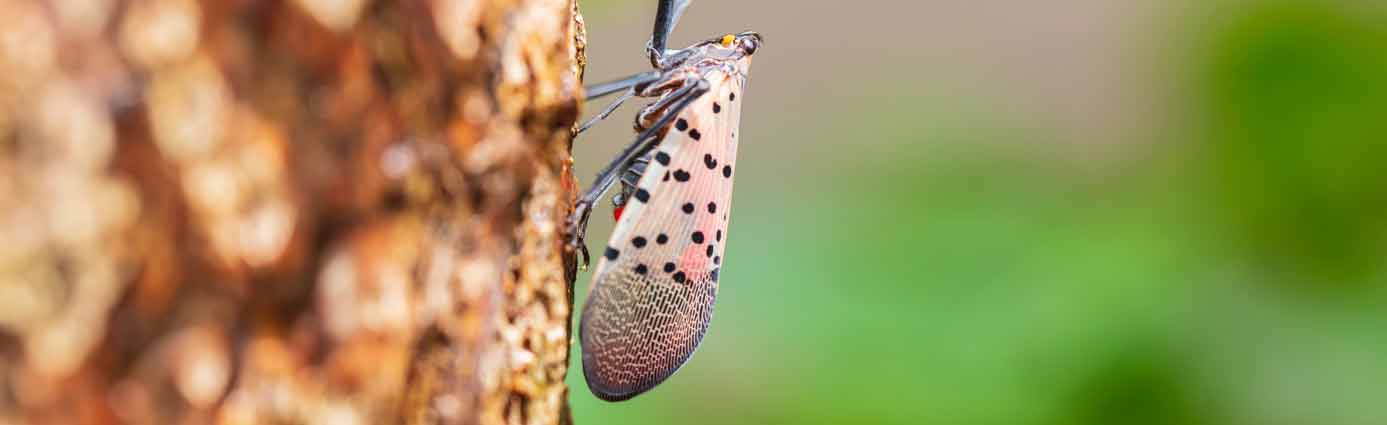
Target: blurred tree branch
309, 211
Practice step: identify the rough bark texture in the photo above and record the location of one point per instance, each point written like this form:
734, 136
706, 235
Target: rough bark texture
310, 211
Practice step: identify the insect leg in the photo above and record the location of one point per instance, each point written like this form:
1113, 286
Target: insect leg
607, 111
665, 19
629, 86
677, 101
629, 179
635, 81
633, 173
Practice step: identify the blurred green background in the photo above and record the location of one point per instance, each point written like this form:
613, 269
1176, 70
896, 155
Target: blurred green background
1011, 212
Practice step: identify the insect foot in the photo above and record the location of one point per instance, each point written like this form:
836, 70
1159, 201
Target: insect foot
576, 228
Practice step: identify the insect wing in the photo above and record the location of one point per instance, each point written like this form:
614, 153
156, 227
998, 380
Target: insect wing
653, 290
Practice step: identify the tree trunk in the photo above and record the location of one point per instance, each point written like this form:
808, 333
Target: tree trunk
307, 211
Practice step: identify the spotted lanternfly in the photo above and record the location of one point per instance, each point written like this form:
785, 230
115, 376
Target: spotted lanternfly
653, 290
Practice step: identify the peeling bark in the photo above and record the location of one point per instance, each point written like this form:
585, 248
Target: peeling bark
306, 211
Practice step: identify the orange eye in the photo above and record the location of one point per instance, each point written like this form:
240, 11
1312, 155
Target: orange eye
727, 40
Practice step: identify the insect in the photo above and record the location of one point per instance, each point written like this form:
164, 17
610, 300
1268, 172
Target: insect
653, 290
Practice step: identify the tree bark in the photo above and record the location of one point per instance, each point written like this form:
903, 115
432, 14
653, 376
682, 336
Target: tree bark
307, 211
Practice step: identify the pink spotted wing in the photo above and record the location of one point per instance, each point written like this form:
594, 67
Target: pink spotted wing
654, 288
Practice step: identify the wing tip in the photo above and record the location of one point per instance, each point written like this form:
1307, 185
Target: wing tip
608, 393
601, 388
647, 378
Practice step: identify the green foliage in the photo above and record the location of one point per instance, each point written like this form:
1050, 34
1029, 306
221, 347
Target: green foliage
1295, 95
